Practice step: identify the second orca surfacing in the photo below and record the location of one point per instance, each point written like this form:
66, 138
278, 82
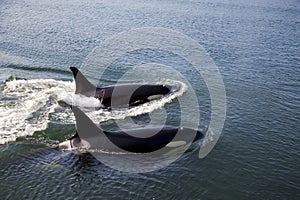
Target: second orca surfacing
145, 140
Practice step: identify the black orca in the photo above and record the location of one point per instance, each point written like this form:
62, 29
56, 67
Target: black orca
120, 95
145, 140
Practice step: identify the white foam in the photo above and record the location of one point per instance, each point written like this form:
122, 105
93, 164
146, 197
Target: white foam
27, 106
82, 101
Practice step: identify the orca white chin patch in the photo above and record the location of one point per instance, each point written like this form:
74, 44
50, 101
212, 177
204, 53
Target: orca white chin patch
155, 97
176, 143
74, 145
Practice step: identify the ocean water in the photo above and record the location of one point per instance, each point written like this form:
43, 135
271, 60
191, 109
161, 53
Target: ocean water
256, 46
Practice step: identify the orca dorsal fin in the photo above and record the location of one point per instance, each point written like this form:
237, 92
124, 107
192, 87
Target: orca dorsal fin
82, 84
84, 125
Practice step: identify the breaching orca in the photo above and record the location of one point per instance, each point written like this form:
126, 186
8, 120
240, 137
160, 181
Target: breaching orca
145, 140
120, 95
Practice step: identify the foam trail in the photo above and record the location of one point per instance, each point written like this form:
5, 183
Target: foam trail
27, 106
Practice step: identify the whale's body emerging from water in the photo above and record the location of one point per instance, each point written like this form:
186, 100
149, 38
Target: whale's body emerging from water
141, 140
120, 95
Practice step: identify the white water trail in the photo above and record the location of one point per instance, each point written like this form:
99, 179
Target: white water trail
27, 106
